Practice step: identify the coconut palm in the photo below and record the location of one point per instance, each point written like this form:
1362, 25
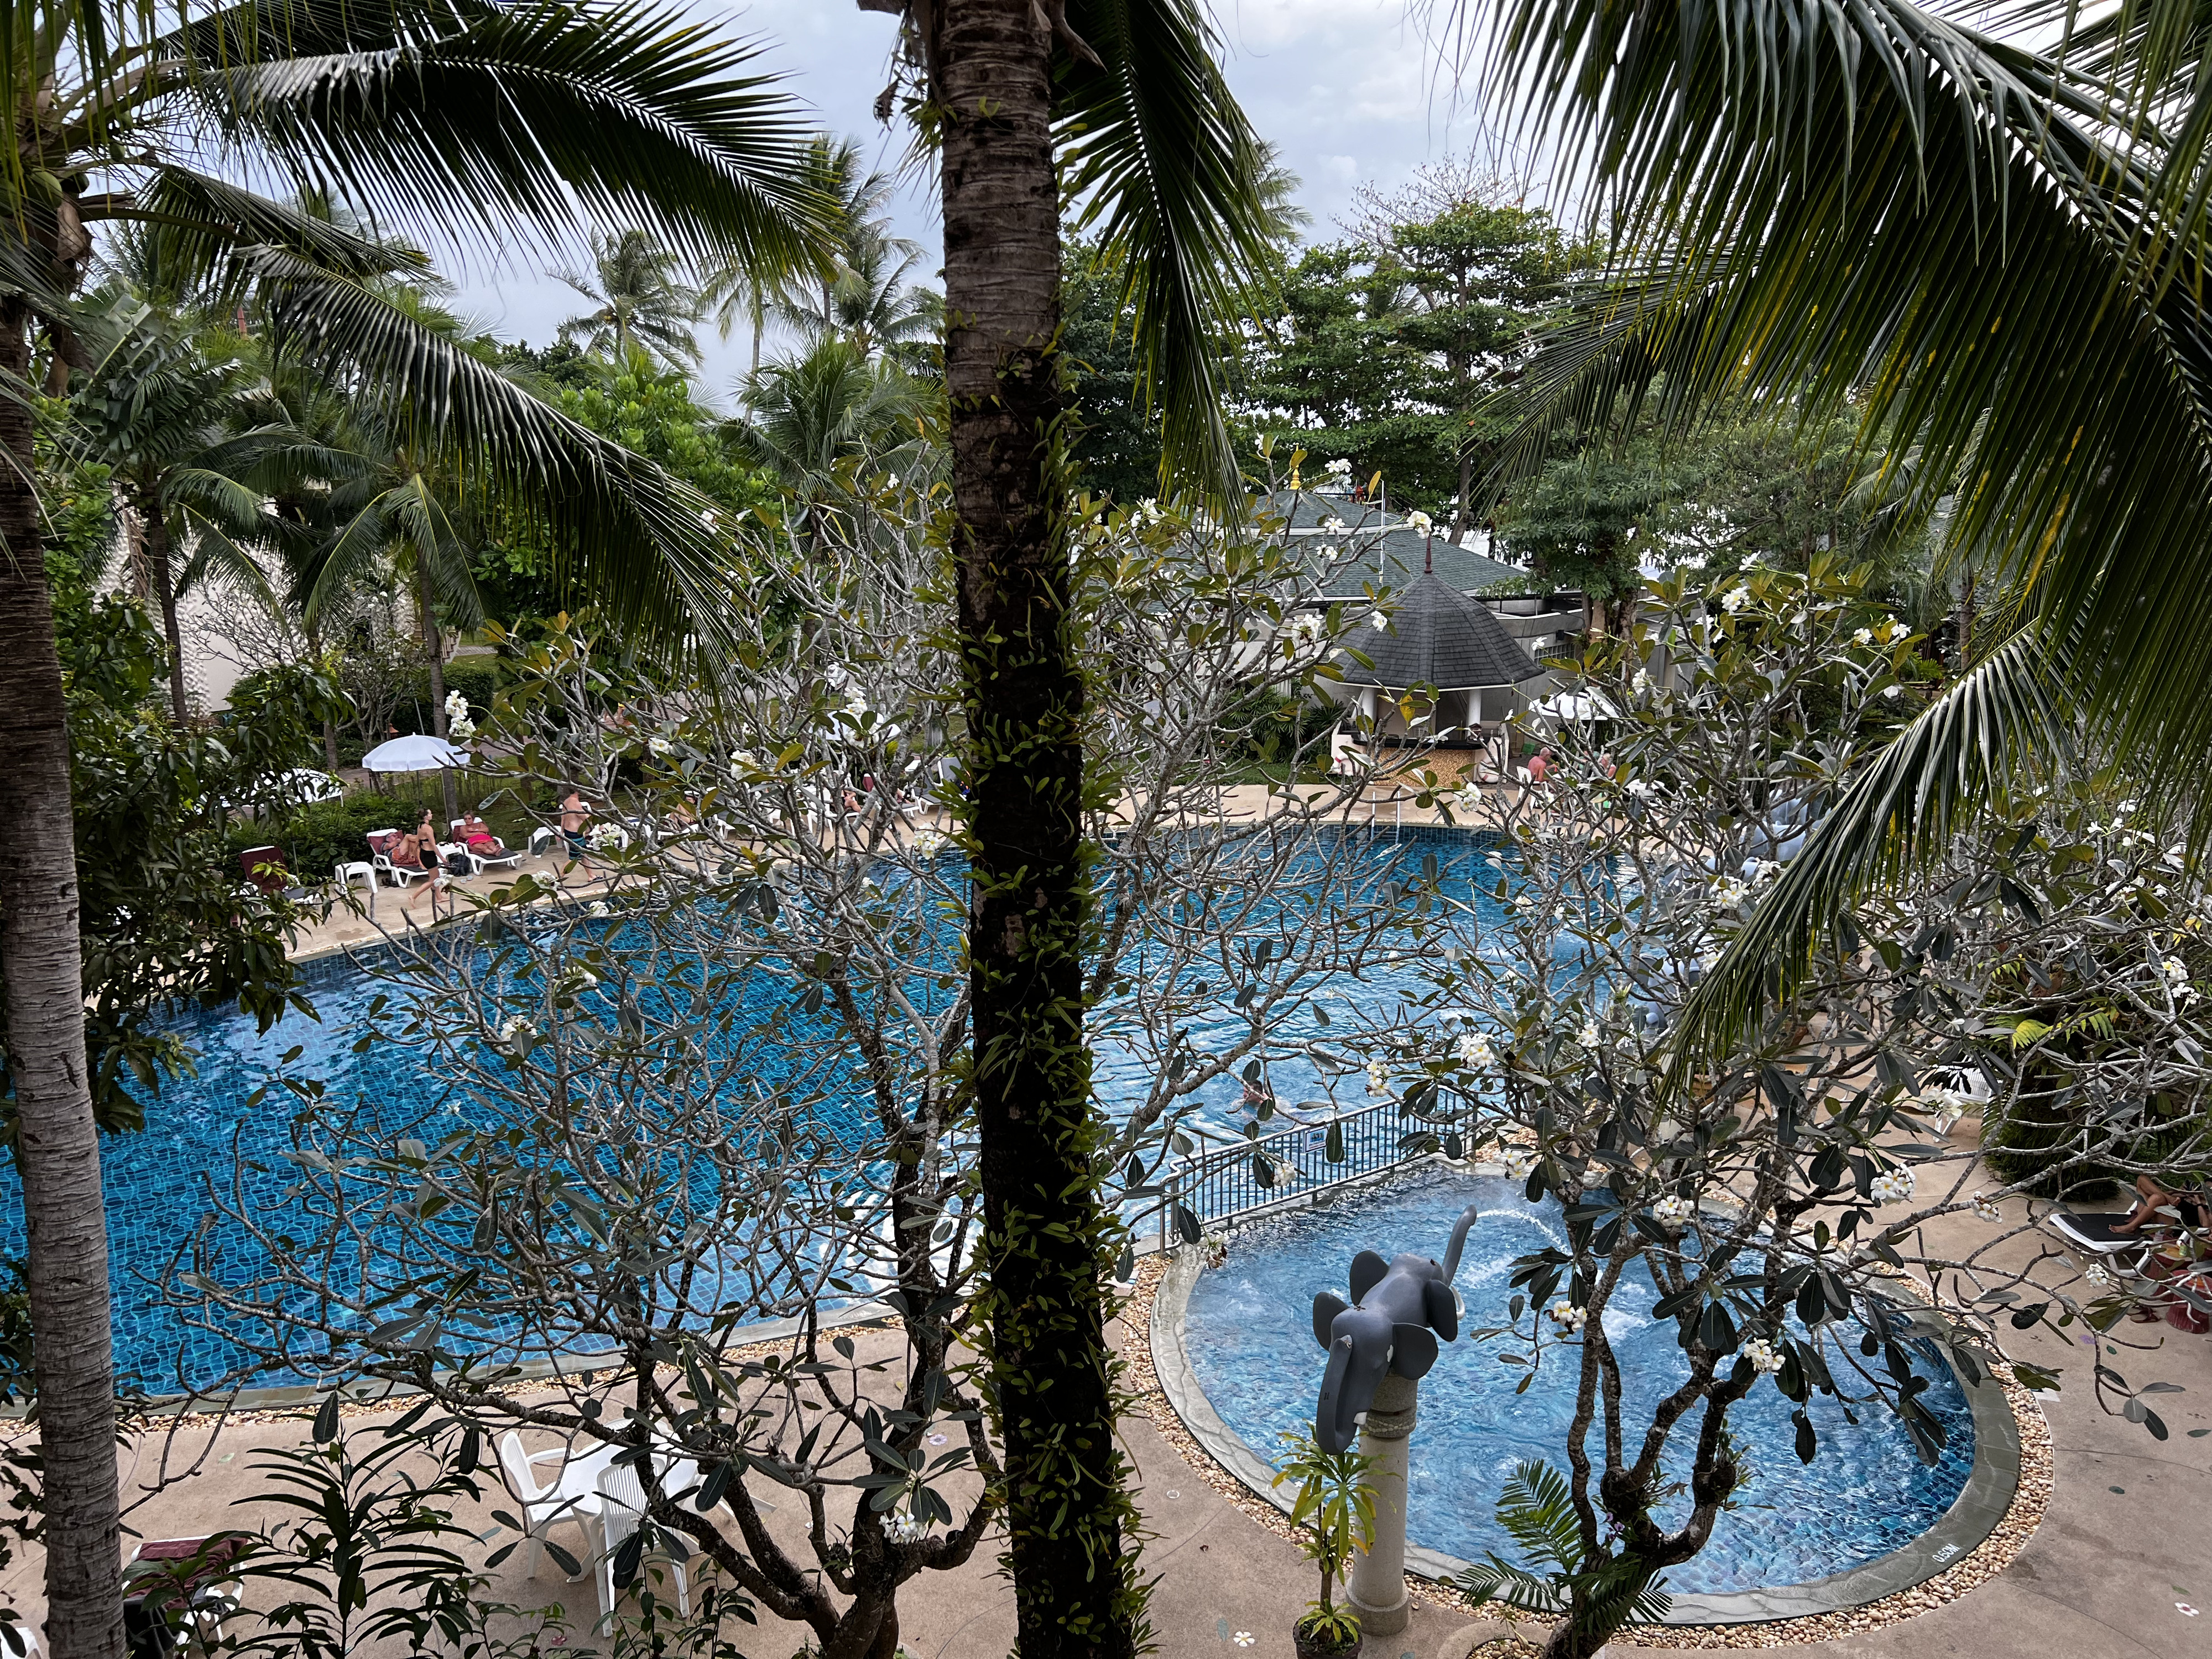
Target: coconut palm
867, 301
815, 422
1989, 254
1120, 107
836, 173
163, 412
482, 118
638, 303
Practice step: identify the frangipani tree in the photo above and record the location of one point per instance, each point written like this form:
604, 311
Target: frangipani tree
1796, 1210
738, 1086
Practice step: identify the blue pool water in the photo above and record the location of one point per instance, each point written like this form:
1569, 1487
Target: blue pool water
1251, 1344
208, 1129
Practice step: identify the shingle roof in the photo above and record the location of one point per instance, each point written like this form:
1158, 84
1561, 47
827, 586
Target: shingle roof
1376, 550
1437, 637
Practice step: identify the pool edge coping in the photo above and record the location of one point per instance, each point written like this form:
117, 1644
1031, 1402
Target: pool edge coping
1972, 1518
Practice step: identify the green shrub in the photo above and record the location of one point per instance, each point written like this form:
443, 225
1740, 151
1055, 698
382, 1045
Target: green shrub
2031, 1143
315, 838
1268, 725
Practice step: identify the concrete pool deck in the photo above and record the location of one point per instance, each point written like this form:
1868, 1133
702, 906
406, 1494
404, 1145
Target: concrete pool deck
2127, 1536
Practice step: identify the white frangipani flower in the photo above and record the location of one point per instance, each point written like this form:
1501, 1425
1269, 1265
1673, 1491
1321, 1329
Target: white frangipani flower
1566, 1315
1986, 1208
1892, 1187
1674, 1208
1589, 1037
1735, 599
1475, 1052
1862, 636
1764, 1359
1378, 1077
1421, 520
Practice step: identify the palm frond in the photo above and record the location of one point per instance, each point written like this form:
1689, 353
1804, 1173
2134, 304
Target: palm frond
1169, 173
1965, 750
640, 546
217, 557
475, 116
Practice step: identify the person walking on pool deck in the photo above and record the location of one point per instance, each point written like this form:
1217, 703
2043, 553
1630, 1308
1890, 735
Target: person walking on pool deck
575, 812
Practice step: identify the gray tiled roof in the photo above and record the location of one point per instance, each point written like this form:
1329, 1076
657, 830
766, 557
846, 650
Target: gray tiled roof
1437, 637
1377, 549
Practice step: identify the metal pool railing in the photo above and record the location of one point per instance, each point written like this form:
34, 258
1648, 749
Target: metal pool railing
1216, 1185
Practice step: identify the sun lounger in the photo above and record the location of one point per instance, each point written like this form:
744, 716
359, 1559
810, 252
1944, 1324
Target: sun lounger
506, 858
2092, 1233
380, 843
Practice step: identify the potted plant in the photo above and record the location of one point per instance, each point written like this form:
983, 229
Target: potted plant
1334, 1516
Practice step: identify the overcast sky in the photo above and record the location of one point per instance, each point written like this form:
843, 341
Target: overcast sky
1341, 86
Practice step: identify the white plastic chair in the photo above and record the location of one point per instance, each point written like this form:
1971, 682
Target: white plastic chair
572, 1495
622, 1504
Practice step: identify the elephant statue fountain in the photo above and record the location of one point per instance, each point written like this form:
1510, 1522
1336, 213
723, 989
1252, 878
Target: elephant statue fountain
1398, 1310
1380, 1344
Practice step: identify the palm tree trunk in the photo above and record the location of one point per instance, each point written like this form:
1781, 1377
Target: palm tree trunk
57, 1146
157, 578
433, 653
330, 727
1069, 1524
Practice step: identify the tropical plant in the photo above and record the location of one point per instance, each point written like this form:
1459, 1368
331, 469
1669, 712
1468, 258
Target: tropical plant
794, 918
470, 115
164, 412
1119, 109
819, 424
1782, 1216
2017, 234
1334, 1514
163, 922
1556, 1576
854, 197
1391, 343
637, 303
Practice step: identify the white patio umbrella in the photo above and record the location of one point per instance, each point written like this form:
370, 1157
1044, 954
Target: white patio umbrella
420, 752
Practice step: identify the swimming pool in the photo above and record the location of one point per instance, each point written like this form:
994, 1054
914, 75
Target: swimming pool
206, 1127
1247, 1335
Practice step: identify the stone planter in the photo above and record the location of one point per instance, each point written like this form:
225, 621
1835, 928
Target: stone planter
1313, 1647
1531, 605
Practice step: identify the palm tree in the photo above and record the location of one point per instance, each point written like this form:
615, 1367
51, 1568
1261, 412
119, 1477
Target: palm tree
1119, 105
166, 412
638, 303
867, 301
835, 172
2001, 280
477, 116
815, 422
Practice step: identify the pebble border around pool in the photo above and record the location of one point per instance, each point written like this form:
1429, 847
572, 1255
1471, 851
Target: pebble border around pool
1981, 1523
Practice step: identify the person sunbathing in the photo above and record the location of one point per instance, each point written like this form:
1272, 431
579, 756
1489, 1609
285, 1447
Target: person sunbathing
477, 836
2155, 1203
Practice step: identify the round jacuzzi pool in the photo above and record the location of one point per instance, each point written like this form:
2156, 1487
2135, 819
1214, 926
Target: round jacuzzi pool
1245, 1340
